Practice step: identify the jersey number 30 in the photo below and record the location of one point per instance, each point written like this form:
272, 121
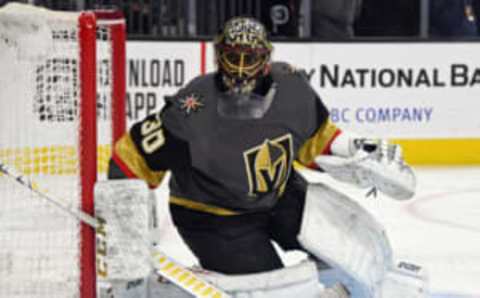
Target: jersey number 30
152, 135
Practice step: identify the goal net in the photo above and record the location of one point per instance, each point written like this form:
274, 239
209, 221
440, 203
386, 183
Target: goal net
62, 93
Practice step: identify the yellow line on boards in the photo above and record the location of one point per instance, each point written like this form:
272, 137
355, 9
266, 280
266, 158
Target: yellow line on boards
441, 151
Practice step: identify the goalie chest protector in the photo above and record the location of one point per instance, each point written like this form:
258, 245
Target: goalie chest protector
242, 165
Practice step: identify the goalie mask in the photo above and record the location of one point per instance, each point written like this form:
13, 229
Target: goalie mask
242, 53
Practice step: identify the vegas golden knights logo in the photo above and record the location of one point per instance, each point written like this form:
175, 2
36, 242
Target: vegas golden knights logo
268, 165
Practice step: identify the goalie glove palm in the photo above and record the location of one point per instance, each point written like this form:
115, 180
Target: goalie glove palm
376, 163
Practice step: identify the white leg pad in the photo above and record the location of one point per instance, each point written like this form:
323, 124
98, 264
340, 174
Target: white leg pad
137, 288
123, 246
341, 232
406, 280
300, 280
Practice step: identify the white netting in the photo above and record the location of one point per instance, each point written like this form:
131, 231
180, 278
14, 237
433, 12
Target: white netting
39, 136
104, 91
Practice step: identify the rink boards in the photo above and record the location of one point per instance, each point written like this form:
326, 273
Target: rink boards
424, 95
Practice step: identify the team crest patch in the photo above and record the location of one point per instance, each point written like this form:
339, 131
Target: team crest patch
190, 103
268, 165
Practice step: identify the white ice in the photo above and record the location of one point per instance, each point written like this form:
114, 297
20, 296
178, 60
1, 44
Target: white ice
438, 229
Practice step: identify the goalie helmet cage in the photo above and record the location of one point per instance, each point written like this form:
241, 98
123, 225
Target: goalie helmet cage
62, 105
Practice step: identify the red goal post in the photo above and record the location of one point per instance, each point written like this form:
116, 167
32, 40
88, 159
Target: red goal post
62, 105
115, 24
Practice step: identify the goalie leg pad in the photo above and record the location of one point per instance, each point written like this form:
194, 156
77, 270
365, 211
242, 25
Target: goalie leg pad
123, 246
405, 280
137, 288
342, 233
301, 279
334, 276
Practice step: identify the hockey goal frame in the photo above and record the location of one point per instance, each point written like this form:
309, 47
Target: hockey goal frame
65, 74
88, 22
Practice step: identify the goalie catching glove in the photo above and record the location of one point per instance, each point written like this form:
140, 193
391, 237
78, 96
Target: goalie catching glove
369, 163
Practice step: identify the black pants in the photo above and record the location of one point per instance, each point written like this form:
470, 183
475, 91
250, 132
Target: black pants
242, 244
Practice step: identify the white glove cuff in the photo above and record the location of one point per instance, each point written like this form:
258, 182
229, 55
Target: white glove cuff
343, 145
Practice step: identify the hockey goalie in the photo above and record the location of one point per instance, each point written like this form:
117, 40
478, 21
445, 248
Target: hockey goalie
230, 139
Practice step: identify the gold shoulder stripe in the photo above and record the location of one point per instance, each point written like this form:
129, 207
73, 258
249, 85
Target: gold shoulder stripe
318, 143
202, 207
125, 149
